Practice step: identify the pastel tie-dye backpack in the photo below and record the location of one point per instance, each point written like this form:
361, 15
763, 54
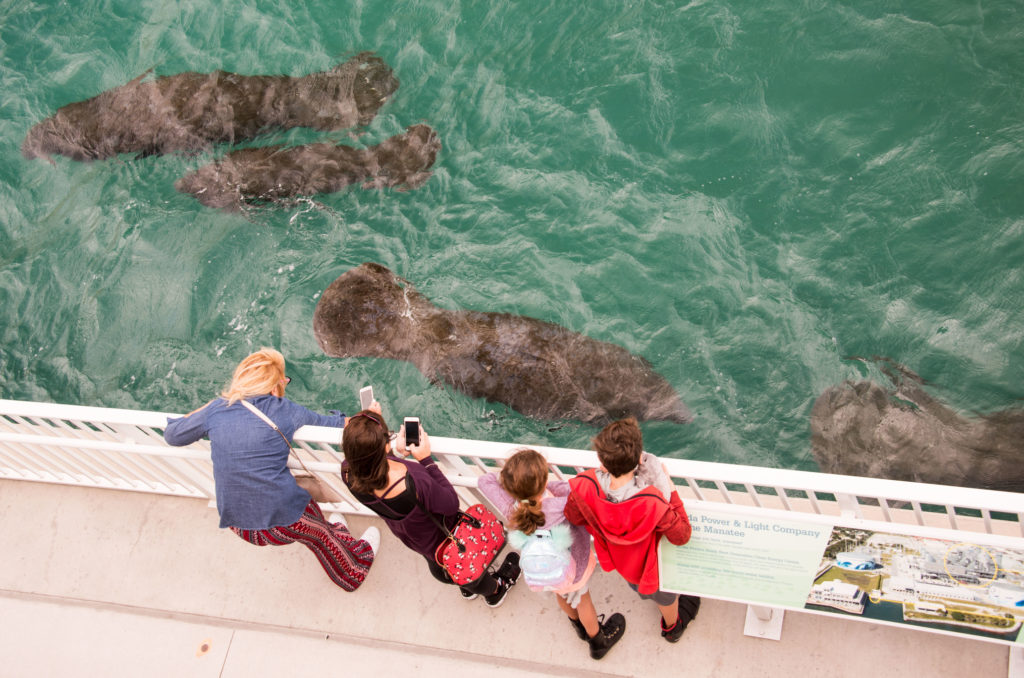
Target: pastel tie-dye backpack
545, 558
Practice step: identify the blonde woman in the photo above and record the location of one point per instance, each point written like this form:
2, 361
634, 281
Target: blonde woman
257, 496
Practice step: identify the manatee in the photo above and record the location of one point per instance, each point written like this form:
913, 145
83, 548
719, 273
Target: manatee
270, 173
190, 112
537, 368
861, 428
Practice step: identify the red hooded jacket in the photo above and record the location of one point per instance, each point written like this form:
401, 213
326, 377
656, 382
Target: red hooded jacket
626, 533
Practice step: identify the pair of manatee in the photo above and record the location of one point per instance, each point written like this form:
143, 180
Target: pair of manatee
549, 372
192, 112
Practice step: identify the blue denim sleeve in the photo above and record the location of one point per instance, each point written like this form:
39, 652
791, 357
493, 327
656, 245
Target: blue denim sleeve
302, 416
188, 429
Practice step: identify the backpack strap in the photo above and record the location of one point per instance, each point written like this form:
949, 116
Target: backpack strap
588, 513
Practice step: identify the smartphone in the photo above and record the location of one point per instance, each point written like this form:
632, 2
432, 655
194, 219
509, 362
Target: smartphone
412, 431
365, 397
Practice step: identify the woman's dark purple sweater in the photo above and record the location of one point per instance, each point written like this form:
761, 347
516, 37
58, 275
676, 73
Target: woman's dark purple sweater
417, 530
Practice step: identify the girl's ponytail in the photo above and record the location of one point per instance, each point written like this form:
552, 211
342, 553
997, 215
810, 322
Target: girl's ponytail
527, 516
524, 476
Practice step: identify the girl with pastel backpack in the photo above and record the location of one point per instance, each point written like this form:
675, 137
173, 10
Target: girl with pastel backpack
554, 555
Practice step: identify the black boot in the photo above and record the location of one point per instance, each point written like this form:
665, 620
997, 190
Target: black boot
608, 634
688, 607
580, 631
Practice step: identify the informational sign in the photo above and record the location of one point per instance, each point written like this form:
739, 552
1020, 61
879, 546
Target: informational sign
767, 562
929, 583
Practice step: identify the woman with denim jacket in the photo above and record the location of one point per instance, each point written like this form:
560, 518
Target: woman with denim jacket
257, 496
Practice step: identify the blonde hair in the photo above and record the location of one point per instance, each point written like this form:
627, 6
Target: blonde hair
258, 374
524, 476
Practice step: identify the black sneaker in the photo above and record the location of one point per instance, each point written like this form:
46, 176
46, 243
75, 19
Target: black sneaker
506, 576
510, 568
673, 633
498, 597
467, 595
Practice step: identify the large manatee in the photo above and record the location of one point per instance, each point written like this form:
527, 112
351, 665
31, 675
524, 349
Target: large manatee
540, 369
191, 112
864, 429
268, 173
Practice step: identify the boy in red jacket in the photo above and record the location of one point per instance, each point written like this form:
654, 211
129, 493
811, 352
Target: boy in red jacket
624, 507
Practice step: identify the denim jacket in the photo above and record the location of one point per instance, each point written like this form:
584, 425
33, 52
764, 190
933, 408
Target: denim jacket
255, 490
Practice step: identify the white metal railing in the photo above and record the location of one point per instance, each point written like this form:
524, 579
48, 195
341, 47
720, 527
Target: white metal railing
125, 449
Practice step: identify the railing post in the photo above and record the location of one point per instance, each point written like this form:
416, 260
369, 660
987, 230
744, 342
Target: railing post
848, 506
763, 622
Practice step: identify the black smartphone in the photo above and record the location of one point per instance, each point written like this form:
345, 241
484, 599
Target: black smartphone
412, 431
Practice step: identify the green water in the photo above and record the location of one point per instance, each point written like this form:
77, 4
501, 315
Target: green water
743, 193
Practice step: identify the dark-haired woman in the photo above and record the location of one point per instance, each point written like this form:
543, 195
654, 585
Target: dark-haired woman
402, 491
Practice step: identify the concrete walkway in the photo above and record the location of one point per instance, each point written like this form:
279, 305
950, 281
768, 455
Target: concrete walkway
109, 583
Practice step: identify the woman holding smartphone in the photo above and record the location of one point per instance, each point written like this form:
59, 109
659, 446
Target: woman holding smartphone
402, 491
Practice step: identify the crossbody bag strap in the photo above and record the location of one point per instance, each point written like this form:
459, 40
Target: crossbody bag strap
270, 422
604, 495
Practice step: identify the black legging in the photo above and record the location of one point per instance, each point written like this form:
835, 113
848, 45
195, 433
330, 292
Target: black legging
484, 586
